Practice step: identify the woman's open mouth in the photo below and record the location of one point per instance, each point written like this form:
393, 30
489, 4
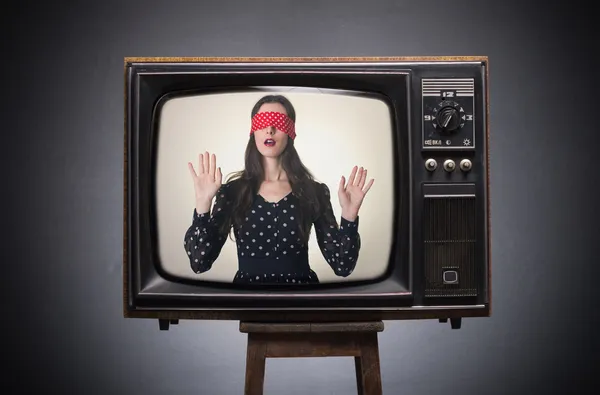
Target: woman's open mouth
270, 143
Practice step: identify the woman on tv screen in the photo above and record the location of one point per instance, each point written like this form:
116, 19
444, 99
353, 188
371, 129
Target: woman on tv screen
272, 205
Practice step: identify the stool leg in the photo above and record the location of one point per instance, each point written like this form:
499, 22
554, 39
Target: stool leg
370, 368
359, 377
255, 366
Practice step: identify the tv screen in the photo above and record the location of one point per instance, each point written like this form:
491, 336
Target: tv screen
335, 131
299, 187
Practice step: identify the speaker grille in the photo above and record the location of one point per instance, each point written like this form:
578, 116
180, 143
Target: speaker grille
449, 246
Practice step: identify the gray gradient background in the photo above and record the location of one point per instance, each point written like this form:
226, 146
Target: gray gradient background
62, 141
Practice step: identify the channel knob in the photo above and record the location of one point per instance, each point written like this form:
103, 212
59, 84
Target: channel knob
448, 119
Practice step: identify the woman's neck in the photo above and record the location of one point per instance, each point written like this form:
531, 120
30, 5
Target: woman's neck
273, 170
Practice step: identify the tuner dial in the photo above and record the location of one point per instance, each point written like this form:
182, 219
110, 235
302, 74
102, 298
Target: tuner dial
430, 164
449, 165
465, 165
448, 117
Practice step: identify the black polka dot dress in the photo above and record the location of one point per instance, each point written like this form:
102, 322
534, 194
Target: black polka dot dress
269, 249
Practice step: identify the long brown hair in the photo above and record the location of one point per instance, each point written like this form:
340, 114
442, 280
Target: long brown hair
245, 183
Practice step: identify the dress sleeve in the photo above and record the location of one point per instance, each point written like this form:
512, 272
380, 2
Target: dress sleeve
203, 241
339, 244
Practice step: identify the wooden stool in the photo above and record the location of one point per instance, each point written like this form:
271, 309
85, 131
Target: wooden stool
356, 339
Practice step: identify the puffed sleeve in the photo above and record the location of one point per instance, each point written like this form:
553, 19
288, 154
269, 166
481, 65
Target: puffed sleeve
203, 240
339, 244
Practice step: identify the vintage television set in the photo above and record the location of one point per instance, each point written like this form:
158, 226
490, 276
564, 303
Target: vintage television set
419, 125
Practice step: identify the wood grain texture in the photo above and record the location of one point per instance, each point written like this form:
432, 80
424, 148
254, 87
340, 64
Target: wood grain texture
310, 340
487, 180
256, 355
307, 315
305, 327
304, 59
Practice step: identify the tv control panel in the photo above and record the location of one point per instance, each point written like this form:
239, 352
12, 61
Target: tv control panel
448, 106
451, 180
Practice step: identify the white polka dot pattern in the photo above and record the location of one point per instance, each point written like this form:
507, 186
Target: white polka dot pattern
270, 234
280, 121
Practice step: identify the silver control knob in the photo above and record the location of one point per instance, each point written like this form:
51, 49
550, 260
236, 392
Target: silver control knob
465, 165
430, 164
449, 165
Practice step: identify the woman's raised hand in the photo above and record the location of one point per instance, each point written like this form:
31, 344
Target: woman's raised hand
352, 194
207, 180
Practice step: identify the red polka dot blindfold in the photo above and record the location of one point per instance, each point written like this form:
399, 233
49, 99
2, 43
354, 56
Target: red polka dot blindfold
270, 118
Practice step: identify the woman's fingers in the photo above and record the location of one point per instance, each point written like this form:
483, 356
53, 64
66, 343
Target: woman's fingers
363, 178
192, 171
219, 178
342, 185
213, 166
206, 162
371, 181
352, 176
201, 164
